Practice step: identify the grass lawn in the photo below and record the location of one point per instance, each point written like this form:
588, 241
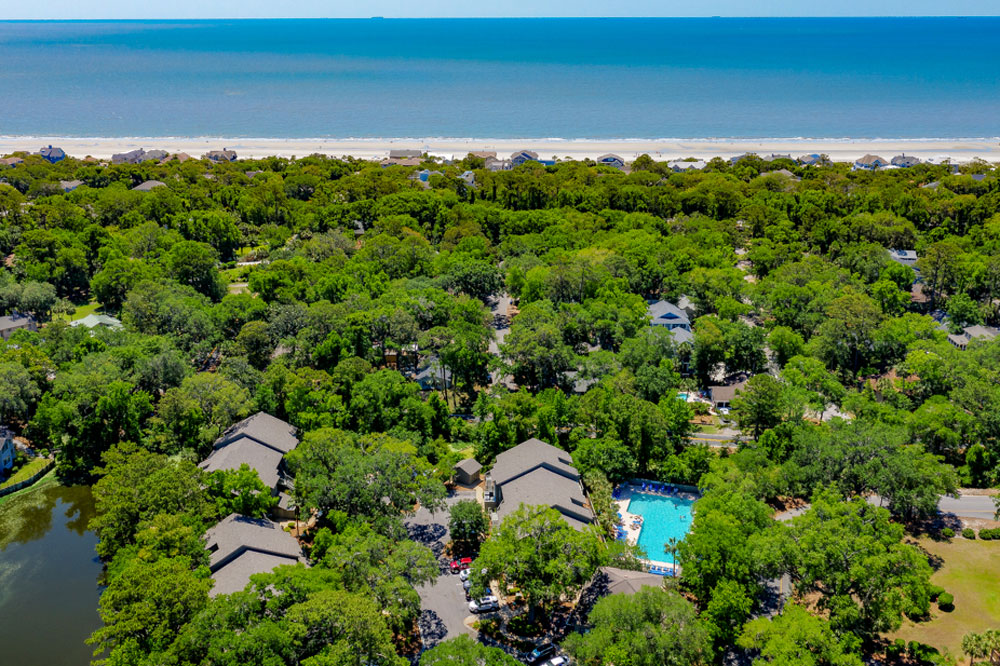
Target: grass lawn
970, 571
81, 312
26, 472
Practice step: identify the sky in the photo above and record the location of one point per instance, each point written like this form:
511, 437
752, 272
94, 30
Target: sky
130, 9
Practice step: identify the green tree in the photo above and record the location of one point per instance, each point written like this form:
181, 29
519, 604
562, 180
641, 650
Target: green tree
145, 606
137, 485
853, 556
18, 392
653, 627
468, 525
535, 549
762, 404
798, 637
463, 651
239, 491
194, 264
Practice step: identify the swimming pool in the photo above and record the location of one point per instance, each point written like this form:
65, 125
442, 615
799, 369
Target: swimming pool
663, 518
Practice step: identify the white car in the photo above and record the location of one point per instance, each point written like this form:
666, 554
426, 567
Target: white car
464, 574
558, 661
484, 604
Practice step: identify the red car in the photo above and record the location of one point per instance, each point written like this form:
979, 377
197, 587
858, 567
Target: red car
461, 565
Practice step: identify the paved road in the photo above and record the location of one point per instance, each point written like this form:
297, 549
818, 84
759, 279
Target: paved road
442, 603
963, 506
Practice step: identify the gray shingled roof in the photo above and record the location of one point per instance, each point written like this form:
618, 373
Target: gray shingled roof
623, 581
263, 428
667, 311
148, 185
543, 487
469, 466
264, 459
242, 546
528, 455
14, 321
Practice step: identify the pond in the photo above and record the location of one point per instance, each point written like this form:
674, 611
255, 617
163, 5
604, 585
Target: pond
49, 576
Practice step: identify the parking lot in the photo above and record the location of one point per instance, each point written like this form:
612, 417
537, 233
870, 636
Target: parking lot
443, 605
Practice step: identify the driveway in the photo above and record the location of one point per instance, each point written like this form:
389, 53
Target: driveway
442, 603
963, 506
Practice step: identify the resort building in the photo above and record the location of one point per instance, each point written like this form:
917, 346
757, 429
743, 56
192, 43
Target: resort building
536, 473
97, 321
673, 318
16, 322
261, 442
903, 161
51, 154
7, 449
977, 332
240, 547
148, 185
611, 160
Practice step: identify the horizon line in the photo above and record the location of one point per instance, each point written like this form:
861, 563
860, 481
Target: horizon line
489, 18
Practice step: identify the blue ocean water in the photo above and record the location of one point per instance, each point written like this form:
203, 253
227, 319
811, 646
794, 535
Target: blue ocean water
504, 78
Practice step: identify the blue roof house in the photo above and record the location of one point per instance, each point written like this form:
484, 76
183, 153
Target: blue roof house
671, 317
51, 154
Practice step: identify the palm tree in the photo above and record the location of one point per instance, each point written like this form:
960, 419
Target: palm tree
671, 547
975, 645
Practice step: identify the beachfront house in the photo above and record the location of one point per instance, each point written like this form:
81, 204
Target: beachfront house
522, 156
11, 161
776, 156
16, 322
402, 154
261, 442
905, 257
484, 154
224, 155
130, 157
812, 159
904, 161
240, 547
671, 317
493, 164
401, 161
970, 333
611, 160
678, 166
148, 185
7, 449
94, 320
536, 473
870, 163
52, 154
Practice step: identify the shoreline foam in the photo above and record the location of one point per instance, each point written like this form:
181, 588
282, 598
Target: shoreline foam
838, 149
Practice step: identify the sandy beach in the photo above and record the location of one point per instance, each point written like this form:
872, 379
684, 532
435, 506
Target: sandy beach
840, 150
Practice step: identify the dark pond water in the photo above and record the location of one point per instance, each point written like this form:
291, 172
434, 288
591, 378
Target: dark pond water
48, 577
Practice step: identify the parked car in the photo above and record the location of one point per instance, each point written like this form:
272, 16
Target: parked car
558, 661
467, 585
539, 653
458, 566
484, 604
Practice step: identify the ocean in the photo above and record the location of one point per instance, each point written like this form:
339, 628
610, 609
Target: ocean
503, 78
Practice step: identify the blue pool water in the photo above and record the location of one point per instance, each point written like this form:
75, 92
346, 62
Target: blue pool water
662, 518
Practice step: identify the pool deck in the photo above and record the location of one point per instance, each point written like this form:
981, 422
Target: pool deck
625, 493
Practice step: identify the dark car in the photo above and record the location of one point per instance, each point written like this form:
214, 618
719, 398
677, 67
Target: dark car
539, 653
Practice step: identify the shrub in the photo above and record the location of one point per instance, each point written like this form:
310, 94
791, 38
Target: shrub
947, 533
987, 535
946, 601
935, 591
968, 533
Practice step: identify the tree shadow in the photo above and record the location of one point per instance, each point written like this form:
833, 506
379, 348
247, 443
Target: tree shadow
432, 628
